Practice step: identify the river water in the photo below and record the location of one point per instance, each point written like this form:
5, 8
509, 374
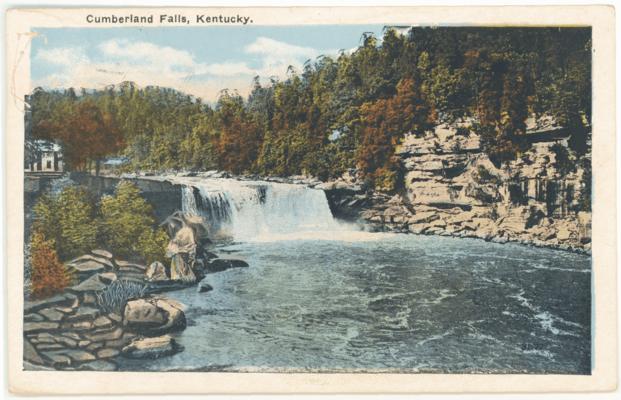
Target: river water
341, 300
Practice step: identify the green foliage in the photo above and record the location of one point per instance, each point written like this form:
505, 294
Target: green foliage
496, 76
68, 220
122, 223
127, 225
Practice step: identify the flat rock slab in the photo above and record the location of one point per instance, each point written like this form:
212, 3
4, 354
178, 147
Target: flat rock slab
51, 314
31, 354
60, 300
75, 355
102, 253
92, 284
87, 260
34, 327
98, 365
151, 348
129, 265
107, 352
84, 313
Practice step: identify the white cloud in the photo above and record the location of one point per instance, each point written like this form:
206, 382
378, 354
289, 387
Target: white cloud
147, 63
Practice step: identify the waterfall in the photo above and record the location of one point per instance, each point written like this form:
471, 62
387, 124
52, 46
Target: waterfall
245, 210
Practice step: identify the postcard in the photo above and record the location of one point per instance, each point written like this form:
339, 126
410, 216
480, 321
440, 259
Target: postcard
311, 200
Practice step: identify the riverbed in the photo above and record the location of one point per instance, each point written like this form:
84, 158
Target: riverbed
358, 301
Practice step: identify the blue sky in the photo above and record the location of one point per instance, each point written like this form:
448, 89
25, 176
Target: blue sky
197, 60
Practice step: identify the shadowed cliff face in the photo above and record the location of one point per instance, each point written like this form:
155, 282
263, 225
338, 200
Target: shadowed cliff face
452, 188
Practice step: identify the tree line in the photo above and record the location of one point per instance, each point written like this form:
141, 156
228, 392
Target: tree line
350, 111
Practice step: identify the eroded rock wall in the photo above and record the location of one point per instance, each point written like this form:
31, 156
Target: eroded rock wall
452, 188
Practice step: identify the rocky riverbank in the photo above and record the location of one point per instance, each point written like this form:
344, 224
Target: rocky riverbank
115, 308
452, 188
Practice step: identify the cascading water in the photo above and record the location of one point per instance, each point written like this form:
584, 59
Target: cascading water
247, 210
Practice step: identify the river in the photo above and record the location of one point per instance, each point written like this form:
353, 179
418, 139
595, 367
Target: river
321, 296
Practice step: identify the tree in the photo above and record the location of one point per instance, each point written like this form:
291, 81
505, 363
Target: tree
385, 122
48, 275
128, 226
68, 221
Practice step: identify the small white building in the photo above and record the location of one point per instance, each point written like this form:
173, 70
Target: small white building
43, 156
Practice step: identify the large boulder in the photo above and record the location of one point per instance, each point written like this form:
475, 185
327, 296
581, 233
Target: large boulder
154, 316
153, 347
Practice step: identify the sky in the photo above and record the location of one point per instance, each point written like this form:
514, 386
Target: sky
196, 60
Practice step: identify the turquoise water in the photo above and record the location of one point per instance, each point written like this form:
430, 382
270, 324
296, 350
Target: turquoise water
388, 302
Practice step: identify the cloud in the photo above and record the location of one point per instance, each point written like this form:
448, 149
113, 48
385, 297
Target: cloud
63, 56
147, 63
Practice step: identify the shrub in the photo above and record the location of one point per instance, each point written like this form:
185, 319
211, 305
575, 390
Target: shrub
127, 225
67, 219
152, 244
114, 297
48, 275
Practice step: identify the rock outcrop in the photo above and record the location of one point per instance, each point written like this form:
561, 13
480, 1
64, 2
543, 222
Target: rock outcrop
452, 188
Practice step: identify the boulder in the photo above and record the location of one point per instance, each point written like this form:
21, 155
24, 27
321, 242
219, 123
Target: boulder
183, 242
154, 316
222, 264
151, 348
205, 287
180, 269
156, 272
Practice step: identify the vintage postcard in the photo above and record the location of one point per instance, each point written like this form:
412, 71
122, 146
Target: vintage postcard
327, 200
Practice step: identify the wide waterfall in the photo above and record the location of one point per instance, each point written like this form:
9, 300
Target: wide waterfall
247, 210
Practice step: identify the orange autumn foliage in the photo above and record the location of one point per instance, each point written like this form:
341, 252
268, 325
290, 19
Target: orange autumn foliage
385, 121
48, 276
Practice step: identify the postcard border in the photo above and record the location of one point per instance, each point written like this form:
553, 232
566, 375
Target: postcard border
604, 373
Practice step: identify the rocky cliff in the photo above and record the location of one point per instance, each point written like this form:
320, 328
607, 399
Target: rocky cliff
452, 188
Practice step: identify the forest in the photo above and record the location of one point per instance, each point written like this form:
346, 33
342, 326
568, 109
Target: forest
338, 113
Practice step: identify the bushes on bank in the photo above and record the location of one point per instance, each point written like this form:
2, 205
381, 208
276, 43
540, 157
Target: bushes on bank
126, 225
68, 220
71, 223
48, 275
